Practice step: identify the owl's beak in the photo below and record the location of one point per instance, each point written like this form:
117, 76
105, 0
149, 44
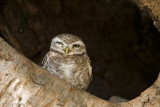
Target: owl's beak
67, 50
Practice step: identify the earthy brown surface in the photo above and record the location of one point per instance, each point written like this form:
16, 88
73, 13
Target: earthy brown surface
122, 43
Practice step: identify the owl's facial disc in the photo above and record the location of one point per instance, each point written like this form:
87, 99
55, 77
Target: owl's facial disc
67, 48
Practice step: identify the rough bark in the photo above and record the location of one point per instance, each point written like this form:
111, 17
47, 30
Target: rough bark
23, 83
152, 8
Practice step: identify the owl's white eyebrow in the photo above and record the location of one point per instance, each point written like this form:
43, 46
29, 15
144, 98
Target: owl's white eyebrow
78, 42
56, 40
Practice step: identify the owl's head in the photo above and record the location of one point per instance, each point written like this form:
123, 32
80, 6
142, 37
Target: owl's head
68, 44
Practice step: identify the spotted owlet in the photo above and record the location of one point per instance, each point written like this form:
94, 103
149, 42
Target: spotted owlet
68, 60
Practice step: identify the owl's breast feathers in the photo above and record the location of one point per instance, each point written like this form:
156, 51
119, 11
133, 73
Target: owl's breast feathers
74, 69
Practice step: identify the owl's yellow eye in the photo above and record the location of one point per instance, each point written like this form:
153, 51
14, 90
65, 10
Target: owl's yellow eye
76, 45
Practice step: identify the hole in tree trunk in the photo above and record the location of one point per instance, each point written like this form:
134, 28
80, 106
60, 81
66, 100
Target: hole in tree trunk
122, 42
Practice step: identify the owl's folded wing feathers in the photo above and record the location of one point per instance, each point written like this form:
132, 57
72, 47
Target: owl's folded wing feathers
44, 60
90, 69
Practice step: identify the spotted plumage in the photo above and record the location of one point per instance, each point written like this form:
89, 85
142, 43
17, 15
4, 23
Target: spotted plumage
68, 60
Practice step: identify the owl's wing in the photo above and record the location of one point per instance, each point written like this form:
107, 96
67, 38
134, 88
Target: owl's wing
44, 60
90, 69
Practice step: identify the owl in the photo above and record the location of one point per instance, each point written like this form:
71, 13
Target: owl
68, 60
